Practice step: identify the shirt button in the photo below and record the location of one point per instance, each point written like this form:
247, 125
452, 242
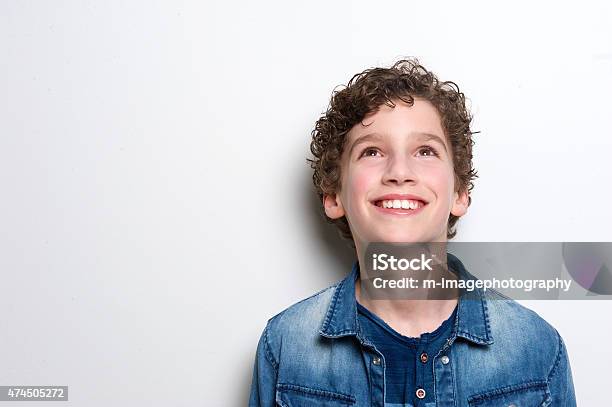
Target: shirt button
376, 360
424, 357
444, 359
420, 393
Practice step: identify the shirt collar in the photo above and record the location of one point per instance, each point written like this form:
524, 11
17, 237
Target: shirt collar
472, 321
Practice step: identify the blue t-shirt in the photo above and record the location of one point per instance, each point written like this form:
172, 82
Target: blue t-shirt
408, 361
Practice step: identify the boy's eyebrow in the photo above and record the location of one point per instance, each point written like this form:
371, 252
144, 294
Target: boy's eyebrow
377, 137
429, 136
363, 139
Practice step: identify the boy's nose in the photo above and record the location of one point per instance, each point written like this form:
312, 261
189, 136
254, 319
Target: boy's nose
398, 172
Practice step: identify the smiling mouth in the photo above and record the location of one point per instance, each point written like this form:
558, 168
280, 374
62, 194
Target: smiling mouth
406, 205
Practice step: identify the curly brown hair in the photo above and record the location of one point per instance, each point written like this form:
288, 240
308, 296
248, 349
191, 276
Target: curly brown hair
364, 94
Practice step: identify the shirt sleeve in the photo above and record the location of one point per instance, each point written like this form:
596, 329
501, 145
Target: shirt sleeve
265, 372
560, 380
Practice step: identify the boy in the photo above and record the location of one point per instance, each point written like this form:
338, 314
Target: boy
393, 163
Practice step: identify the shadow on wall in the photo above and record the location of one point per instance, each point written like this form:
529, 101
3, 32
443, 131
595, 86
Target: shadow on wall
336, 254
335, 250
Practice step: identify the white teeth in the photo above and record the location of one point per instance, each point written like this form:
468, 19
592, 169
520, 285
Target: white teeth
400, 204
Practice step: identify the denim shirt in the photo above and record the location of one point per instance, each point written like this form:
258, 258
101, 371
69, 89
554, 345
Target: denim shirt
407, 364
499, 354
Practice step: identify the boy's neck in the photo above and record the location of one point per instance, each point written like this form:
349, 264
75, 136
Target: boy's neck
409, 317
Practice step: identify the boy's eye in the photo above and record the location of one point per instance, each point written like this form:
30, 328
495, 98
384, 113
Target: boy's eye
369, 152
428, 151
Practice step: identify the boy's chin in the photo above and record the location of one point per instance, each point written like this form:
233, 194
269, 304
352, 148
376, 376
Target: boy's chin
402, 237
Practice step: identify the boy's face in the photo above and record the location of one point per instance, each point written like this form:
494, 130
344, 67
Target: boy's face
397, 156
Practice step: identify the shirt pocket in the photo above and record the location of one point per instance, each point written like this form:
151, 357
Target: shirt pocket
292, 395
531, 394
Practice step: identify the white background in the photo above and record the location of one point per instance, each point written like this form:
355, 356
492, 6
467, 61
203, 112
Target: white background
156, 206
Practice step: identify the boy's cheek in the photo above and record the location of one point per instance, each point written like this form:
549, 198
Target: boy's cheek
361, 179
361, 184
356, 193
442, 180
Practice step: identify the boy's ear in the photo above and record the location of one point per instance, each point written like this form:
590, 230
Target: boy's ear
460, 203
333, 206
